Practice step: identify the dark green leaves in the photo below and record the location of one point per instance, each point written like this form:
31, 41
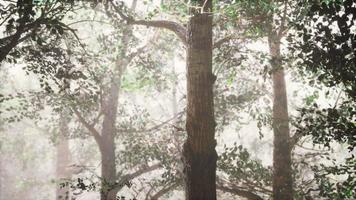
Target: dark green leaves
241, 169
328, 43
329, 124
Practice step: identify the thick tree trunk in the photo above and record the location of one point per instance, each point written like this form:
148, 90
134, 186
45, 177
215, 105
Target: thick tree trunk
63, 160
282, 169
199, 153
107, 143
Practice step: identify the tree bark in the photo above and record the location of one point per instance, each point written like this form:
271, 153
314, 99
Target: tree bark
199, 154
282, 164
63, 160
107, 142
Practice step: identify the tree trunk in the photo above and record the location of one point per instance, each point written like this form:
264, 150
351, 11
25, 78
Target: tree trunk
107, 139
63, 160
282, 169
107, 143
199, 154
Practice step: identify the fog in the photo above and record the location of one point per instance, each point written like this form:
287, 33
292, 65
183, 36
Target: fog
110, 106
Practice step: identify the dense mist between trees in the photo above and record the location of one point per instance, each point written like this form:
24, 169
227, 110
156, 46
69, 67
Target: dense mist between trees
178, 100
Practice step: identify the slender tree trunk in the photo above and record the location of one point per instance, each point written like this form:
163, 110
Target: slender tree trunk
199, 154
282, 169
107, 143
63, 160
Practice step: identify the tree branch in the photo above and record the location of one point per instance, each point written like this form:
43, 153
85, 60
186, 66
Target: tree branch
164, 190
126, 178
6, 49
132, 55
240, 192
175, 27
293, 140
179, 30
91, 128
10, 42
156, 126
88, 20
218, 43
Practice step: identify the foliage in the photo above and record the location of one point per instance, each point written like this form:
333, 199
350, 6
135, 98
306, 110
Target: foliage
324, 43
24, 20
331, 189
329, 124
327, 42
244, 171
76, 76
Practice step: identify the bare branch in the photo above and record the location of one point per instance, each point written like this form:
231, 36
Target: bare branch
73, 31
218, 43
164, 190
179, 30
228, 38
157, 126
131, 56
233, 189
126, 178
232, 36
239, 192
89, 20
91, 128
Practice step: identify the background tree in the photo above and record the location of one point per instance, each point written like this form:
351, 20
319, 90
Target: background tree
147, 106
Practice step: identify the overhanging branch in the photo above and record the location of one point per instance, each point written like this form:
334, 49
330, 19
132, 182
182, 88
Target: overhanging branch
179, 30
175, 27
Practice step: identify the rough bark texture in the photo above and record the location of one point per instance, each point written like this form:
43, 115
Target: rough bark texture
199, 155
63, 160
282, 170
